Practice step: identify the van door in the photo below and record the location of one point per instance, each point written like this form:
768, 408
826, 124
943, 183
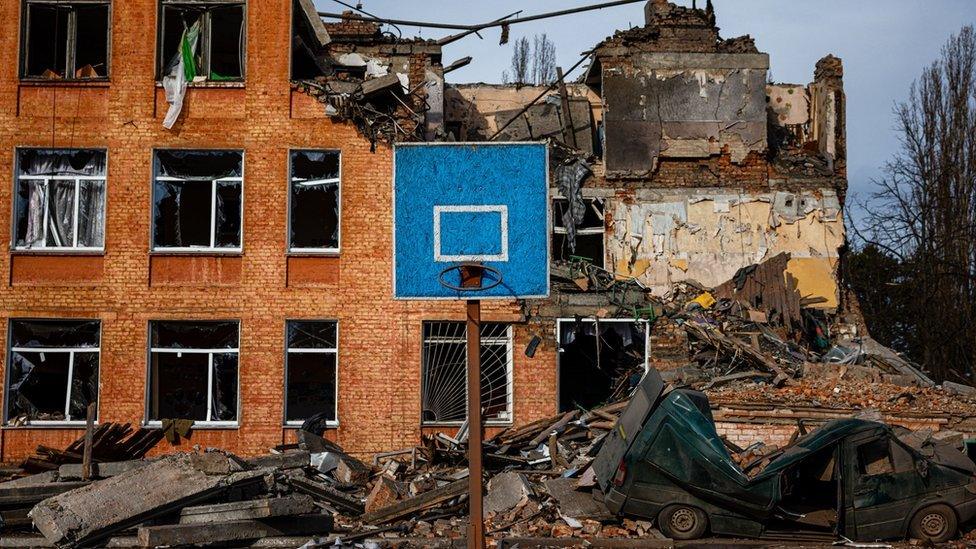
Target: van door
883, 486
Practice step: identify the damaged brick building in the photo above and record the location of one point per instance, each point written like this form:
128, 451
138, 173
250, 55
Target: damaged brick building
201, 222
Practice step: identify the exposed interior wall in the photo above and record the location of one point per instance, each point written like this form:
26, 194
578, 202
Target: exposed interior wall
682, 105
665, 236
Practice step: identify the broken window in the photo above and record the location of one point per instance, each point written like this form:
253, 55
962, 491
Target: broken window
311, 373
65, 40
444, 387
197, 200
193, 371
874, 458
588, 235
60, 199
52, 373
314, 202
202, 40
595, 370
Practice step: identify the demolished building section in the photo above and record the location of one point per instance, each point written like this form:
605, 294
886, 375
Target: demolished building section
389, 87
676, 160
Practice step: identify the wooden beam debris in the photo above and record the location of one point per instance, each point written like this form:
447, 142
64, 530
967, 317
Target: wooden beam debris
417, 503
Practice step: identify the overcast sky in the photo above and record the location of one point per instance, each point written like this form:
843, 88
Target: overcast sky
884, 45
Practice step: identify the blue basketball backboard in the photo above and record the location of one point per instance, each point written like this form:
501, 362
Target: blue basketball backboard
459, 203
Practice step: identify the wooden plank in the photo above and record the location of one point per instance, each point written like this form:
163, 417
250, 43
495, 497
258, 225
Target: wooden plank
320, 491
417, 503
178, 535
86, 458
248, 510
542, 436
27, 496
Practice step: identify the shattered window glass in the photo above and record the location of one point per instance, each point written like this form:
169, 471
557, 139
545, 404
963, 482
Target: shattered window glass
193, 370
60, 199
314, 201
203, 40
52, 370
585, 240
65, 40
311, 371
198, 200
444, 387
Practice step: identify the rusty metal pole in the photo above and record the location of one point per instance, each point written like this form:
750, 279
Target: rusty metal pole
476, 524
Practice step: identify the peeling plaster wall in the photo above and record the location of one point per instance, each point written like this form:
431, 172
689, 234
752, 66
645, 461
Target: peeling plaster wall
662, 237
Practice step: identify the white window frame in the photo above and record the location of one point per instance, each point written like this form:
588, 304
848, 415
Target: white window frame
205, 41
210, 352
556, 229
338, 181
212, 248
47, 213
71, 48
71, 364
312, 350
507, 340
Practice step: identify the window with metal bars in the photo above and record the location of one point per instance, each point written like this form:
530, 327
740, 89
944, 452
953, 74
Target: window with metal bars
52, 371
444, 386
198, 200
193, 371
65, 40
59, 202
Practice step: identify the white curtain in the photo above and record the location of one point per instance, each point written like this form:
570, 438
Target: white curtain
54, 199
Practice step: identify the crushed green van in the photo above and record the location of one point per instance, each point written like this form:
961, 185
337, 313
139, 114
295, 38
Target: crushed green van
854, 478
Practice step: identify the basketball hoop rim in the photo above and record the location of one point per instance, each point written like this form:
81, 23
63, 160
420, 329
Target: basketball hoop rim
497, 275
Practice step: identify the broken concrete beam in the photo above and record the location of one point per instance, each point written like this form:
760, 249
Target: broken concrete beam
31, 480
959, 388
179, 535
320, 492
505, 491
314, 22
574, 503
287, 460
91, 513
351, 471
248, 510
417, 503
17, 497
948, 436
385, 492
72, 471
379, 84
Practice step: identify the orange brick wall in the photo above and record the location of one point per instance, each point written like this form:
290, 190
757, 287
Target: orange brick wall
379, 354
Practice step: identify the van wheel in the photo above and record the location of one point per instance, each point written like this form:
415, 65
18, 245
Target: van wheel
935, 523
682, 522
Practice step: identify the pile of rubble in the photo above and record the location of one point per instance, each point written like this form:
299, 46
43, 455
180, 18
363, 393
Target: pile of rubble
754, 339
314, 494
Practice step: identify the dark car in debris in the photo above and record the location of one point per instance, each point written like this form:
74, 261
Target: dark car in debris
855, 478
